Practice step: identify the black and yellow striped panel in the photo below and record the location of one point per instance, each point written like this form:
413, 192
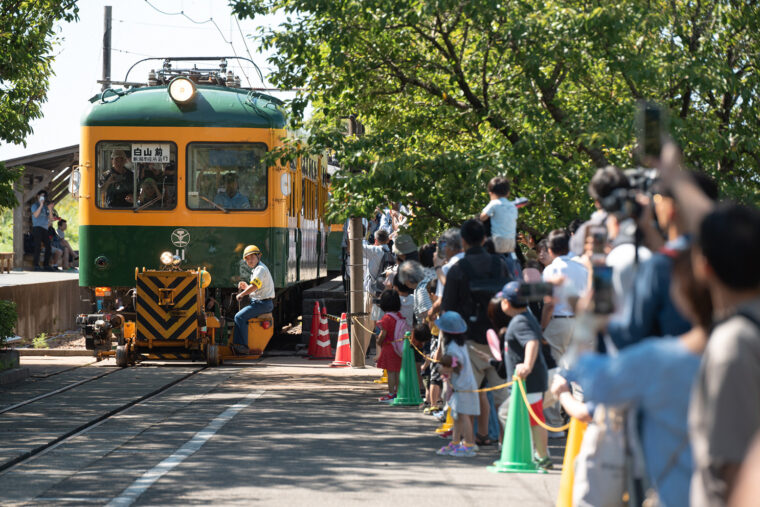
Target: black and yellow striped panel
177, 321
161, 356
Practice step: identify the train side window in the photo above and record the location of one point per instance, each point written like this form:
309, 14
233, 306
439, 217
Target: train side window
226, 176
136, 175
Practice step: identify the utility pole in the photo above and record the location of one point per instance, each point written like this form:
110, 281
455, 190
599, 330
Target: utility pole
360, 338
106, 48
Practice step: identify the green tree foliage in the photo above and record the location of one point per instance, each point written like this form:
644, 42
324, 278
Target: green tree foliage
27, 38
8, 319
455, 92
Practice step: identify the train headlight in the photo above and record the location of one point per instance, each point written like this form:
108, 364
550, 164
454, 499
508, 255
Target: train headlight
181, 90
167, 258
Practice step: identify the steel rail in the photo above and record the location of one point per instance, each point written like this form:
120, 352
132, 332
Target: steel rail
28, 455
57, 391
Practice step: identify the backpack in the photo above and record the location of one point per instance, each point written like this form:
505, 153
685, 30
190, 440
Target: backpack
482, 289
399, 331
378, 281
600, 466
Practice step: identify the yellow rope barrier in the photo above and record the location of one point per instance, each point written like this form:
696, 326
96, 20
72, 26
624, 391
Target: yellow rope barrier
422, 353
482, 390
356, 321
486, 389
533, 415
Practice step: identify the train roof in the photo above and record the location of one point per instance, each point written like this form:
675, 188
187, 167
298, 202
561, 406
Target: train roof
213, 106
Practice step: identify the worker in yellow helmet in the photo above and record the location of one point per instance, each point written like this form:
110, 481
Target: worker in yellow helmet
261, 291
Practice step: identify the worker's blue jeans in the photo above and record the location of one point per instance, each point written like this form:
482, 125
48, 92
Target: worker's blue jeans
242, 317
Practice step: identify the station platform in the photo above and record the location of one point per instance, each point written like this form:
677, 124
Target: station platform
18, 277
46, 302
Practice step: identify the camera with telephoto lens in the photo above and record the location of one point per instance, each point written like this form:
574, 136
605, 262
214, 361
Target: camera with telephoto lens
535, 292
622, 201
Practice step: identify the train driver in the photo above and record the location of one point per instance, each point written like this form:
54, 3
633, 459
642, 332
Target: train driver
119, 184
231, 198
261, 291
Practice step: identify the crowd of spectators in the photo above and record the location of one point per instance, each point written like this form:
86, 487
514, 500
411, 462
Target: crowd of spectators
642, 320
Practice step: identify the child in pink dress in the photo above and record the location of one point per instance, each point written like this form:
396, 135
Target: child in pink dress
389, 360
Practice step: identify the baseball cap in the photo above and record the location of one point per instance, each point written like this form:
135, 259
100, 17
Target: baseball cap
510, 292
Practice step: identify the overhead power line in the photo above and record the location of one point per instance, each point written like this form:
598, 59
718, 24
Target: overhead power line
221, 34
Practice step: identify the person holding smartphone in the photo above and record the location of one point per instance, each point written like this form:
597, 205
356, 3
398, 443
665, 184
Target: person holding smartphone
42, 210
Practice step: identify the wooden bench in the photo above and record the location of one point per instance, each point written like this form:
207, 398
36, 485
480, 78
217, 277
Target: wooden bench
6, 262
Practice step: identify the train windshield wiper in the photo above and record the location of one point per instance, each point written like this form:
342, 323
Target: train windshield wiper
214, 204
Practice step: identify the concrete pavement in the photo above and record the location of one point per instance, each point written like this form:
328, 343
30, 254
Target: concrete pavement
303, 433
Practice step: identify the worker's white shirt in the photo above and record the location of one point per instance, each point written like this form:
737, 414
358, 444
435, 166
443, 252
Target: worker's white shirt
262, 278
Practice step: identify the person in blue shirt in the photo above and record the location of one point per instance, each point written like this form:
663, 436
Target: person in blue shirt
650, 311
661, 395
231, 198
42, 210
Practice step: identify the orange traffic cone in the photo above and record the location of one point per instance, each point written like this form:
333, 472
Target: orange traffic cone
572, 448
324, 350
343, 354
314, 329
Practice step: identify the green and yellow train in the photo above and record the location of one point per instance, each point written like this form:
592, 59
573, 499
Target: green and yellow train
178, 166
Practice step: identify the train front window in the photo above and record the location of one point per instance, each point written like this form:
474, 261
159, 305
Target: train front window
136, 175
226, 176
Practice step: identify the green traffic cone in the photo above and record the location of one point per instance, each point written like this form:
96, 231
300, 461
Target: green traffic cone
517, 449
408, 387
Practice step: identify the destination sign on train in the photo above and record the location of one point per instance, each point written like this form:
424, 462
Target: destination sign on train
154, 152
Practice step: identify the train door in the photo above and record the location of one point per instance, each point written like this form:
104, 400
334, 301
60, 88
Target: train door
309, 229
293, 211
322, 187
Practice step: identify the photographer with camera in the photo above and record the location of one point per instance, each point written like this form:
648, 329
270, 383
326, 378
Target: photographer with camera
723, 411
649, 310
604, 182
42, 215
662, 398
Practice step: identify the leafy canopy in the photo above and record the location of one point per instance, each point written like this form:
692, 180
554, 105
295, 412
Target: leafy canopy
455, 92
27, 38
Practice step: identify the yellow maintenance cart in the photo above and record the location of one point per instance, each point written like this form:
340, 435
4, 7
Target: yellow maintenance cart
169, 322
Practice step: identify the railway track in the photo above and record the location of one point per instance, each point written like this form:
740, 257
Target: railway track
53, 374
56, 391
41, 423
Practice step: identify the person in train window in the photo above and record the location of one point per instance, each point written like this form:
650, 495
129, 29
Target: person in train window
231, 198
119, 184
148, 189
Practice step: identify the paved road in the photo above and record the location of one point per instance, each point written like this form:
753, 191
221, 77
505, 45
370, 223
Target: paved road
283, 431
